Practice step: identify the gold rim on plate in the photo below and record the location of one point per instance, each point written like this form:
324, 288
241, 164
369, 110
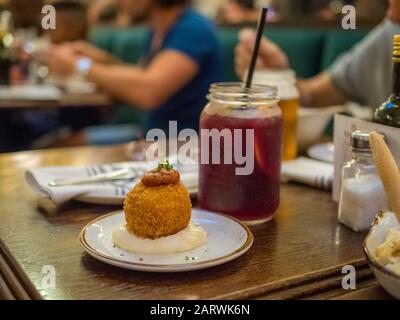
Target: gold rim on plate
246, 246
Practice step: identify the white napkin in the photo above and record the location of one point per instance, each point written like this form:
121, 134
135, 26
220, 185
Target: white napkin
39, 179
310, 172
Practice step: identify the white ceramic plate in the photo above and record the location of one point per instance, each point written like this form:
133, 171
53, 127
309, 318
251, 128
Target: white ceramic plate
323, 152
228, 239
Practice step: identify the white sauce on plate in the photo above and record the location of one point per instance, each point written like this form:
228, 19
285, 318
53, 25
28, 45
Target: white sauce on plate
189, 238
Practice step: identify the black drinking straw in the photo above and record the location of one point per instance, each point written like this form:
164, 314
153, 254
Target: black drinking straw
260, 31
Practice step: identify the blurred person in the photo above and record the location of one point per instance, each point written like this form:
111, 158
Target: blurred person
71, 25
71, 22
328, 10
370, 9
362, 75
182, 62
26, 14
107, 13
238, 11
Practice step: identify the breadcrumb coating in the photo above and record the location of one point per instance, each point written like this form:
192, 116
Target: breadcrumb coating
157, 211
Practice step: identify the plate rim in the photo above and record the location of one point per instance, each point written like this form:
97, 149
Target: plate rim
167, 267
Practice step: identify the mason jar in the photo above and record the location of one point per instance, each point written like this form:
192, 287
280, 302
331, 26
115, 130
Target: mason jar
240, 152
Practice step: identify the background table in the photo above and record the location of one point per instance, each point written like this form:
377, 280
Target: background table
299, 255
77, 110
96, 100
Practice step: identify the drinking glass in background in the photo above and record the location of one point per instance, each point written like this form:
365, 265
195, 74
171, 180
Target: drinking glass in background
289, 103
6, 40
252, 198
30, 57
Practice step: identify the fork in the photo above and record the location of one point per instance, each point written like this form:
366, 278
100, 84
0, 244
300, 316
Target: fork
123, 174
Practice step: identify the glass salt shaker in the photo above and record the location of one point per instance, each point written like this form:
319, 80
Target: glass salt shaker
362, 194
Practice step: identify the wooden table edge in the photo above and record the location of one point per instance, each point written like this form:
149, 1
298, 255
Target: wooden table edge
302, 281
17, 281
325, 289
96, 100
25, 289
5, 291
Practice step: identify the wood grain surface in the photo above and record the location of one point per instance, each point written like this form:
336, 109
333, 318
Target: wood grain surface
300, 253
95, 100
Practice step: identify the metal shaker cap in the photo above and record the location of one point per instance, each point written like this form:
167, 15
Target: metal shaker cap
360, 140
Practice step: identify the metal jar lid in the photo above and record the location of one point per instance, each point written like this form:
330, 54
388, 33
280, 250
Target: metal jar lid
360, 140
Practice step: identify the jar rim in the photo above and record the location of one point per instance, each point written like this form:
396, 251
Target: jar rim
237, 88
236, 93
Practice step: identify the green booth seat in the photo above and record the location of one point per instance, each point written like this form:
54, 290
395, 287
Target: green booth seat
310, 51
228, 38
103, 37
304, 48
338, 42
127, 44
297, 44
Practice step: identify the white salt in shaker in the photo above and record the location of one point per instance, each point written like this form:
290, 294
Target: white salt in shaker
362, 194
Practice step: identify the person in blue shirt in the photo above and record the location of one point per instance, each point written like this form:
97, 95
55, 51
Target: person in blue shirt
172, 82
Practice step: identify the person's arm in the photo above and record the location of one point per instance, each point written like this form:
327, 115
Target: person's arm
353, 76
270, 55
146, 88
319, 91
96, 54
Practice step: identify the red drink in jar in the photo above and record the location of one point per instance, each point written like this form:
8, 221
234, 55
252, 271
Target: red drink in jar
252, 198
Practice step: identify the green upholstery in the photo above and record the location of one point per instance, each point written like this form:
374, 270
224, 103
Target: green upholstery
310, 51
103, 38
309, 43
228, 38
338, 42
127, 45
303, 47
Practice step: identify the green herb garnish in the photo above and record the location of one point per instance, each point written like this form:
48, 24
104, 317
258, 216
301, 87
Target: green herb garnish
165, 165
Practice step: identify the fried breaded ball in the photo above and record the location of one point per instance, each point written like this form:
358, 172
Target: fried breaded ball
159, 206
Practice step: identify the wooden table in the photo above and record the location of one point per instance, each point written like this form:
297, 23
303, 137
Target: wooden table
95, 100
299, 255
